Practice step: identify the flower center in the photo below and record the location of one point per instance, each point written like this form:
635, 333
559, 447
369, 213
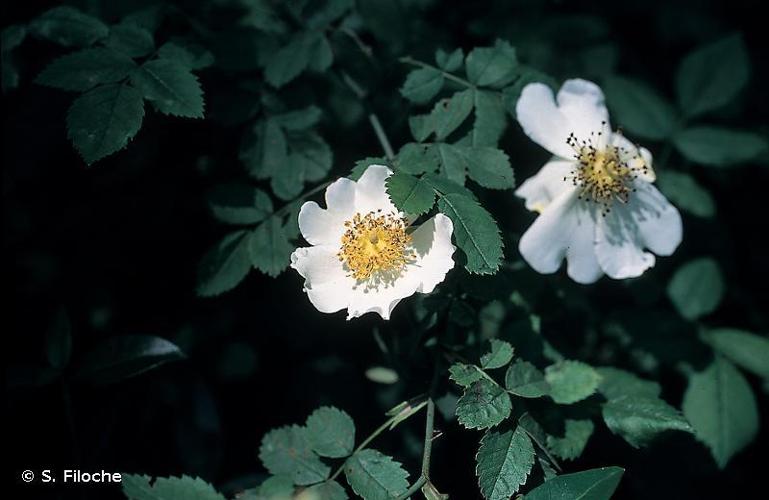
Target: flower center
604, 172
375, 246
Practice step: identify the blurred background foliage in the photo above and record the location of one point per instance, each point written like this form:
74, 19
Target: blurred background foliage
116, 361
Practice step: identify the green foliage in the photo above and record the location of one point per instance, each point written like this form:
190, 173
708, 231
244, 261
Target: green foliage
288, 450
10, 38
747, 350
686, 193
225, 265
593, 484
464, 375
475, 232
422, 85
484, 404
616, 383
449, 113
712, 75
504, 460
639, 109
131, 40
526, 380
70, 27
137, 487
239, 204
573, 441
276, 487
304, 50
413, 195
719, 147
492, 66
375, 476
83, 70
331, 432
170, 87
500, 355
328, 490
722, 409
697, 288
571, 381
269, 248
638, 419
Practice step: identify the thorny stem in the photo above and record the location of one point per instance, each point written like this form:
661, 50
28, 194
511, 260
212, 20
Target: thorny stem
446, 75
426, 453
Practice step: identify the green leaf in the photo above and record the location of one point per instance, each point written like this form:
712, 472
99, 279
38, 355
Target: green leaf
136, 487
475, 232
492, 66
310, 159
327, 12
449, 62
422, 85
500, 355
416, 158
131, 40
571, 381
68, 26
525, 380
719, 147
452, 162
287, 451
328, 490
686, 193
484, 404
269, 248
375, 476
85, 69
447, 186
412, 195
264, 151
639, 419
639, 109
712, 75
103, 120
697, 288
331, 432
299, 119
291, 60
489, 167
574, 439
490, 120
449, 113
746, 349
421, 126
362, 165
593, 484
239, 204
225, 265
276, 487
171, 88
463, 374
58, 340
722, 409
616, 383
504, 460
118, 358
189, 55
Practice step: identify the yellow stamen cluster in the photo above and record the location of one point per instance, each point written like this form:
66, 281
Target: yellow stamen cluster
375, 247
604, 172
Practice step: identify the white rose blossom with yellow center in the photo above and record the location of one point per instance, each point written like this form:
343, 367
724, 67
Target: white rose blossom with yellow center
365, 255
597, 205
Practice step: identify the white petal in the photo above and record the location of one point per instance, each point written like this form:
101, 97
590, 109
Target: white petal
565, 229
542, 121
432, 243
583, 104
545, 186
340, 198
619, 245
319, 226
371, 192
659, 223
326, 282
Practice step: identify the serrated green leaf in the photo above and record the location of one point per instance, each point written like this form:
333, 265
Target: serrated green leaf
421, 126
187, 54
422, 85
328, 490
287, 451
500, 355
639, 419
504, 461
447, 186
719, 147
475, 232
484, 404
574, 439
722, 409
525, 380
331, 432
131, 40
264, 149
410, 194
309, 160
103, 120
137, 487
712, 75
225, 265
291, 60
171, 88
571, 381
490, 120
492, 66
616, 383
299, 119
416, 158
638, 108
686, 193
68, 26
375, 476
463, 374
453, 163
449, 62
593, 484
321, 55
746, 349
239, 204
451, 112
85, 69
276, 488
268, 247
489, 167
696, 288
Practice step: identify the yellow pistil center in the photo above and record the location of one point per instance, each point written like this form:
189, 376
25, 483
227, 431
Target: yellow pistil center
375, 246
604, 172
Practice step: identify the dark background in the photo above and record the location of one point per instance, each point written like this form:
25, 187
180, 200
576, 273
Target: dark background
117, 245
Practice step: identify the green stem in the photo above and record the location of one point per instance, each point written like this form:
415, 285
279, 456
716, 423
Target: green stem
426, 452
414, 488
446, 75
380, 134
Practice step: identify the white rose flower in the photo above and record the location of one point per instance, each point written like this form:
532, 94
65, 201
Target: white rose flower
365, 256
597, 205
